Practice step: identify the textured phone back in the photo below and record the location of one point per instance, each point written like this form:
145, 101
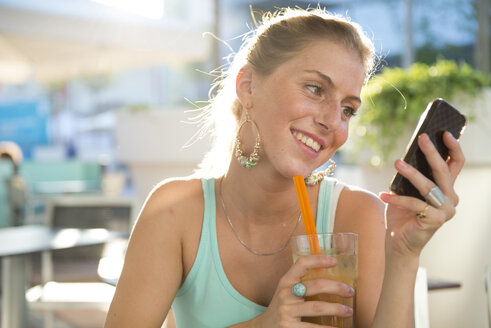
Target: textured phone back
440, 117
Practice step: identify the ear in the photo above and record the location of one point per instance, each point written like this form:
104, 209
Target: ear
243, 86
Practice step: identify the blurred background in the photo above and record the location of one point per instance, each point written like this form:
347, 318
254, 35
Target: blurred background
98, 97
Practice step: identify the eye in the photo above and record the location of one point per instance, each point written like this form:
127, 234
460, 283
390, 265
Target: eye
315, 89
349, 111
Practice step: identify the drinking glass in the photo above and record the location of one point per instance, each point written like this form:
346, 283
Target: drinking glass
343, 247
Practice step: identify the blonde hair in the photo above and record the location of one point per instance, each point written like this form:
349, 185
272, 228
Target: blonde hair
280, 37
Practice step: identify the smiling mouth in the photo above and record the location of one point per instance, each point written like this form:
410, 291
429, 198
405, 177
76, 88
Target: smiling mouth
307, 141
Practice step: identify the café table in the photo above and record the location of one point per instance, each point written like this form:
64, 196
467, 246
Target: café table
17, 244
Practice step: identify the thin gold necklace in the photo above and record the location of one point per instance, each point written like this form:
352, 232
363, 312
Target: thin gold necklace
242, 242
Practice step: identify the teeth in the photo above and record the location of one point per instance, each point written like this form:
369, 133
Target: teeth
307, 141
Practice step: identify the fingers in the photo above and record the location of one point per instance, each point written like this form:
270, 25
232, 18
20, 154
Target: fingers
319, 308
433, 218
444, 172
424, 185
457, 159
438, 166
304, 264
294, 306
324, 286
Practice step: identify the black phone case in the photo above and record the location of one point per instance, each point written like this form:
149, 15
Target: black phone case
438, 117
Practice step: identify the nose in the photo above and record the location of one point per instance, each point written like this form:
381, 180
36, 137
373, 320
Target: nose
330, 116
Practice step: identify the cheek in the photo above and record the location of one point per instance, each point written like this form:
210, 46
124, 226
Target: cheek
281, 93
341, 135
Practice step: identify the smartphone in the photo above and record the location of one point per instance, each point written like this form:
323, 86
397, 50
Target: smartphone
438, 117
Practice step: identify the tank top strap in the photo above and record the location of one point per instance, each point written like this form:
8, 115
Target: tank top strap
208, 186
324, 201
209, 217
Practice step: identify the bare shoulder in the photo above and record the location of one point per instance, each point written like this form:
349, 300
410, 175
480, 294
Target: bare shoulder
171, 214
363, 198
172, 201
357, 206
172, 218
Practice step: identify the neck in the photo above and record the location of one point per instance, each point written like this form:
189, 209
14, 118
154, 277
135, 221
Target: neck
248, 196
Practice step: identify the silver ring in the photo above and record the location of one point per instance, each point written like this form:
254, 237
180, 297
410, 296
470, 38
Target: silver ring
435, 197
299, 289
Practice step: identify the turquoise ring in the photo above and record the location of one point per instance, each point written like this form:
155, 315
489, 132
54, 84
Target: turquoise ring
299, 289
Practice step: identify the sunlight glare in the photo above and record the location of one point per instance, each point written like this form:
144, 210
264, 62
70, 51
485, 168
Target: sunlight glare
66, 238
153, 9
361, 131
110, 268
375, 160
72, 292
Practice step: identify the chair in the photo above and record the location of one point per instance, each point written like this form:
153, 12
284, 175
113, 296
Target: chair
82, 212
86, 211
421, 312
487, 285
47, 179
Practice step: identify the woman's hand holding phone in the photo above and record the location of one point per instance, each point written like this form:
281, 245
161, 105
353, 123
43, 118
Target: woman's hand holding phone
438, 117
411, 221
408, 231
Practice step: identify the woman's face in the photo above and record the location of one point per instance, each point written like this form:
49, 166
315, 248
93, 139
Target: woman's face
303, 108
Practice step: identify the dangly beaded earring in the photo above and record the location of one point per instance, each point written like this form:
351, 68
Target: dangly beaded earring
314, 178
251, 161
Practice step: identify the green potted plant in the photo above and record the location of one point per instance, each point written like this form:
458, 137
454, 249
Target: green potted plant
395, 98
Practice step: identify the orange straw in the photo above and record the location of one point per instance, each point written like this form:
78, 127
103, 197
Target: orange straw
308, 219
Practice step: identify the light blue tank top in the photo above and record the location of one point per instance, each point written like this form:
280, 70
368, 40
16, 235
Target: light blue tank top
207, 299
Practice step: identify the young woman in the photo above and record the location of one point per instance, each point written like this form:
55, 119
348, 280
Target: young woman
215, 246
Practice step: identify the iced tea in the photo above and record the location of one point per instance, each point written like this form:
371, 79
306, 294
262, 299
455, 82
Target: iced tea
343, 248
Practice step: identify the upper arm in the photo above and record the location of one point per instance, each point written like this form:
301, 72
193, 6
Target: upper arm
363, 213
153, 268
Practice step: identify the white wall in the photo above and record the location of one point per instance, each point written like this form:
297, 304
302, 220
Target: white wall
152, 144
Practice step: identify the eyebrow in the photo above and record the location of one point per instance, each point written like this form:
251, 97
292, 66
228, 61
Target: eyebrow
329, 81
